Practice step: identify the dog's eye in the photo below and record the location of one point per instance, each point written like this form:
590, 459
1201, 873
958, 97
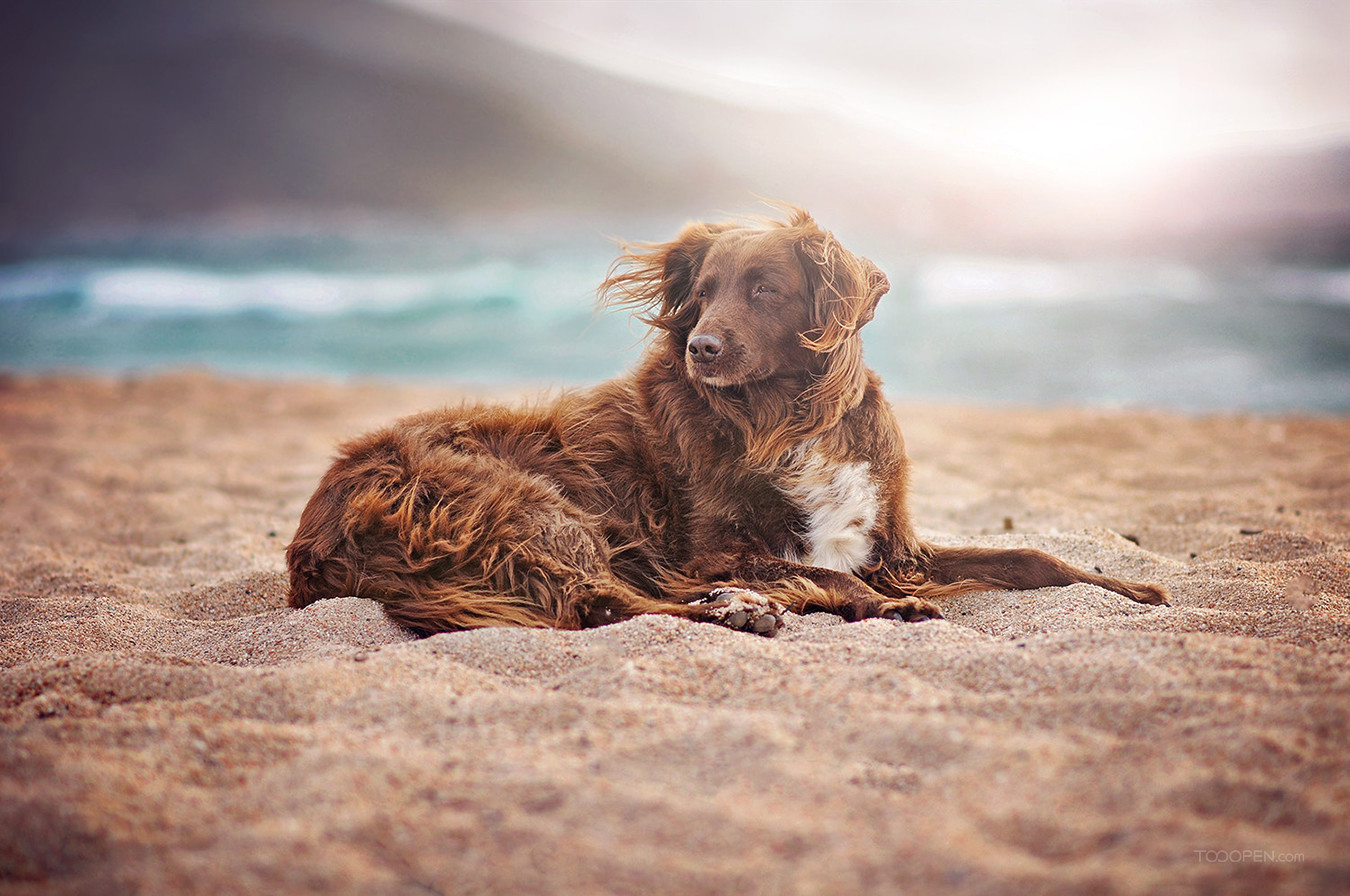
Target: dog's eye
702, 294
763, 288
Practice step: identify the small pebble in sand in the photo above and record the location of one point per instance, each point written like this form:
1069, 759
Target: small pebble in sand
1301, 592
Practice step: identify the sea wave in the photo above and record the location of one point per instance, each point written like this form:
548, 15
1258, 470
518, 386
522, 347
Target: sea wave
181, 291
959, 280
564, 284
955, 326
158, 289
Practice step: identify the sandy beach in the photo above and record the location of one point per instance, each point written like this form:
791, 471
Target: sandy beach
167, 725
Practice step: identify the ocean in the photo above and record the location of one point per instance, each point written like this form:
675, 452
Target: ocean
512, 307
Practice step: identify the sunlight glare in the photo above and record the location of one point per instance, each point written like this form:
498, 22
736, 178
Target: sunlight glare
1084, 135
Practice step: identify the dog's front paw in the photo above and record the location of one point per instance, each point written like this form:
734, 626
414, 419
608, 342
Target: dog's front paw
743, 610
910, 609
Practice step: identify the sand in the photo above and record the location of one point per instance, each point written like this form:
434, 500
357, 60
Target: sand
167, 725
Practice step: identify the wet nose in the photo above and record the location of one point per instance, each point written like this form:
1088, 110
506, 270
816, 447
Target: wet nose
704, 347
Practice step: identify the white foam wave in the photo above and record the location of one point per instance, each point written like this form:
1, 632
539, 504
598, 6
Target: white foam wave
162, 289
1330, 287
183, 290
949, 281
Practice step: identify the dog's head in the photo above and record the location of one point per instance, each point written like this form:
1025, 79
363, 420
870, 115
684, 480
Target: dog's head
745, 303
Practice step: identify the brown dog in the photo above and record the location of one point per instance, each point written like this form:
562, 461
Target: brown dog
749, 464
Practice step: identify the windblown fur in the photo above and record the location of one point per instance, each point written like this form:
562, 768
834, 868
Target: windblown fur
748, 464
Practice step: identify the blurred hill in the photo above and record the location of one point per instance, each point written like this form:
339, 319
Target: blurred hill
146, 111
1290, 206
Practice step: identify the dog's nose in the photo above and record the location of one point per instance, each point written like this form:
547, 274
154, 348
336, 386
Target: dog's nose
704, 347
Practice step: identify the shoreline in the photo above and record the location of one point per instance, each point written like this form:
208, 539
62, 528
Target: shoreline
166, 724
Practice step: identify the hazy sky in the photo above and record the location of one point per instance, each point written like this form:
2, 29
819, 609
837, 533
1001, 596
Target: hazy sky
1097, 88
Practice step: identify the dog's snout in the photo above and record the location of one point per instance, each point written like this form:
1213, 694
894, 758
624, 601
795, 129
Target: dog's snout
705, 347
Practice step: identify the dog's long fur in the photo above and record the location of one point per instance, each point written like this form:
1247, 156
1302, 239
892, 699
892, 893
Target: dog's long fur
748, 464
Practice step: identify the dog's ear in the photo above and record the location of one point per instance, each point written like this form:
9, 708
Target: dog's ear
846, 288
878, 284
657, 279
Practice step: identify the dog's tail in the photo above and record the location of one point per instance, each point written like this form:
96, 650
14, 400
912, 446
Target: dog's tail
949, 571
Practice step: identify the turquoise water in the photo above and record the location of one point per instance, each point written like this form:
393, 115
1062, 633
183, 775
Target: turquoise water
501, 309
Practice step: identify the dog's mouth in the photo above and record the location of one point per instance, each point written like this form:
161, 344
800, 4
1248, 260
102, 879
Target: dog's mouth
719, 381
723, 373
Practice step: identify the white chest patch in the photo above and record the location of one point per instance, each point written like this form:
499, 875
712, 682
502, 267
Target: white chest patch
840, 502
